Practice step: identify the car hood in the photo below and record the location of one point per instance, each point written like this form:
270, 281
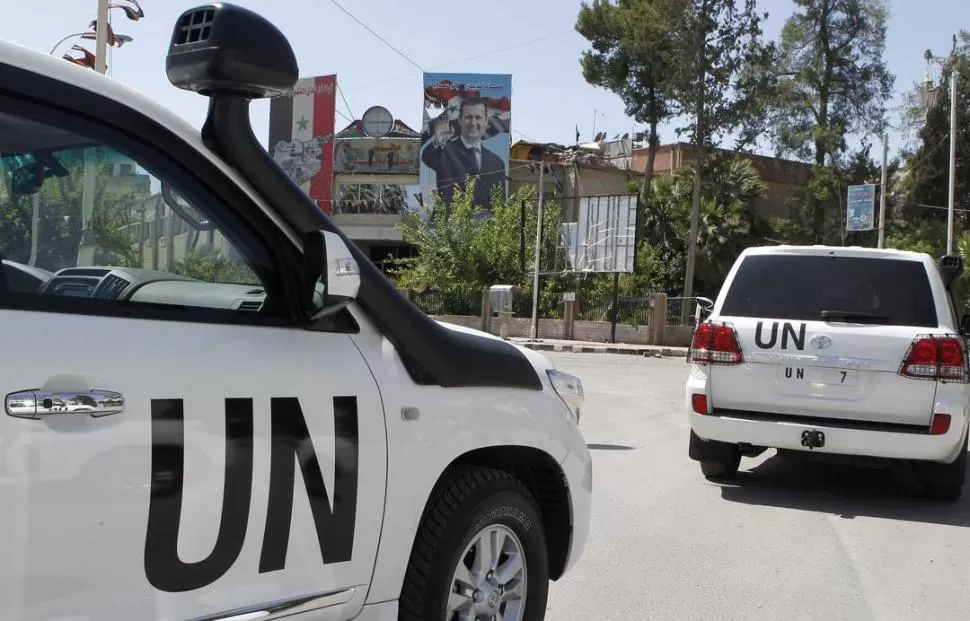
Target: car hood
538, 360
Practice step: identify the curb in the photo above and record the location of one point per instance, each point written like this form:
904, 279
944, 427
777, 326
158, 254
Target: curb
647, 351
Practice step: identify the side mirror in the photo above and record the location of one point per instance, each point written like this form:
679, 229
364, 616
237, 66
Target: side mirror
331, 276
965, 325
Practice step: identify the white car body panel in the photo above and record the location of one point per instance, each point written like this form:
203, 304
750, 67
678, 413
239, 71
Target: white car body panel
853, 376
74, 554
61, 511
450, 423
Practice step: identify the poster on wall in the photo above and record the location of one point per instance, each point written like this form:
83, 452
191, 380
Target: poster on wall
301, 130
465, 133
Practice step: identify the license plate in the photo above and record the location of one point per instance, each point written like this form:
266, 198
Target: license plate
817, 375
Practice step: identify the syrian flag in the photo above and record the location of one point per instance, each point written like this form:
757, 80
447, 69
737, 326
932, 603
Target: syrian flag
301, 130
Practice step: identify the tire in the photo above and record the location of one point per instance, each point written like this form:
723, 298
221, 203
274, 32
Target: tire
944, 482
722, 469
475, 503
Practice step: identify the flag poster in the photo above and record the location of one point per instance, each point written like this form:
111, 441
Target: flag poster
301, 131
465, 134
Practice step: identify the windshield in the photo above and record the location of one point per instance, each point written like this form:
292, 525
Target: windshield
817, 288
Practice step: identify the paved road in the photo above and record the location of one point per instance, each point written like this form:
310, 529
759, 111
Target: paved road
783, 542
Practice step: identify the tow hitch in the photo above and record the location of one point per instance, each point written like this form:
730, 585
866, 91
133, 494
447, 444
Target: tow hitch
812, 439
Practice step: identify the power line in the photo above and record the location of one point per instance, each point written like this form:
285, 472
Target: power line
383, 40
465, 60
341, 91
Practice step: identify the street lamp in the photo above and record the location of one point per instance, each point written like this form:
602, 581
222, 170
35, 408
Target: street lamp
928, 93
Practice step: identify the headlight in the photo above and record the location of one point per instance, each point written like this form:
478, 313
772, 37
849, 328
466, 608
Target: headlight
570, 390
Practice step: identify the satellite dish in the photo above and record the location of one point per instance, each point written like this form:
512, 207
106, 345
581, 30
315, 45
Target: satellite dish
377, 121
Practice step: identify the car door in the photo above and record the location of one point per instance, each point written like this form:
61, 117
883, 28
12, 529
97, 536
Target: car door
174, 444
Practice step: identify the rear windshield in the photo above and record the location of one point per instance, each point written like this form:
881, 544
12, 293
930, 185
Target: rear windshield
887, 291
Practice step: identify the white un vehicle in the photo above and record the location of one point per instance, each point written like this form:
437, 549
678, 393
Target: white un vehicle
236, 416
837, 351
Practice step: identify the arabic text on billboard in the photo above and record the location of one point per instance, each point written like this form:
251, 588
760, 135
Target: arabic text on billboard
301, 129
376, 155
465, 132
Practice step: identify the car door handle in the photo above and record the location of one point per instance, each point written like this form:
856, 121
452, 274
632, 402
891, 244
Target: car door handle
37, 403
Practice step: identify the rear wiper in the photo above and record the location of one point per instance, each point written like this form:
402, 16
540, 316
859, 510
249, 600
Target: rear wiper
853, 316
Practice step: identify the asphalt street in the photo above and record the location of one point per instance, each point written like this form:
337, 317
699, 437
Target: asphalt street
785, 541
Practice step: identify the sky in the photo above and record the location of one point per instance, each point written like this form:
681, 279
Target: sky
534, 41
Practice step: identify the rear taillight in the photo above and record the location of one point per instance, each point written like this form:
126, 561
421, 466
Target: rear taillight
936, 357
715, 343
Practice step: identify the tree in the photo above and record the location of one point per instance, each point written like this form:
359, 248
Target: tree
727, 224
631, 45
208, 263
716, 78
927, 180
833, 83
59, 222
829, 185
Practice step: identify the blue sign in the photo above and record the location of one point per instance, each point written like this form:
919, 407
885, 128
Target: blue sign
860, 216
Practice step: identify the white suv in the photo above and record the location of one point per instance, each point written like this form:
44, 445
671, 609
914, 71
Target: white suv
216, 406
849, 351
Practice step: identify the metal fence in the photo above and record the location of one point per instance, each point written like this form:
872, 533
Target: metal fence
448, 302
634, 311
677, 306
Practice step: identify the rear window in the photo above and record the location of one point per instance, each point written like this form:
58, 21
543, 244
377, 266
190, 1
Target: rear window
894, 292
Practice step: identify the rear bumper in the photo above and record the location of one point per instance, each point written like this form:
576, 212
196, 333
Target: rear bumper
838, 440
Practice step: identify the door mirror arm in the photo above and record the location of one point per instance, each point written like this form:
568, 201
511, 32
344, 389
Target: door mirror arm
331, 276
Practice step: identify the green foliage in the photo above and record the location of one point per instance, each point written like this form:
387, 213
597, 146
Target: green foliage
927, 180
208, 263
59, 223
632, 42
728, 224
460, 248
631, 45
833, 82
717, 73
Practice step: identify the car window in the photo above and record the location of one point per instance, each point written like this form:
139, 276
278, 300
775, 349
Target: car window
801, 287
83, 221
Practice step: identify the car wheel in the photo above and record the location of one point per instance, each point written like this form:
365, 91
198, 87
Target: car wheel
944, 482
722, 469
480, 553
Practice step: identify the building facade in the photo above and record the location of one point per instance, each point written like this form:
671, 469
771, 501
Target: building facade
375, 187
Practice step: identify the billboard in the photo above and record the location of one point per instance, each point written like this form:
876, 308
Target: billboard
301, 129
603, 239
376, 155
860, 215
465, 132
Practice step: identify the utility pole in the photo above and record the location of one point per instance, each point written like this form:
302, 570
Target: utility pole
535, 268
953, 156
883, 189
101, 42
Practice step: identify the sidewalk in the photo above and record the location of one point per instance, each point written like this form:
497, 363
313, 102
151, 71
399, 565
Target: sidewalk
586, 347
